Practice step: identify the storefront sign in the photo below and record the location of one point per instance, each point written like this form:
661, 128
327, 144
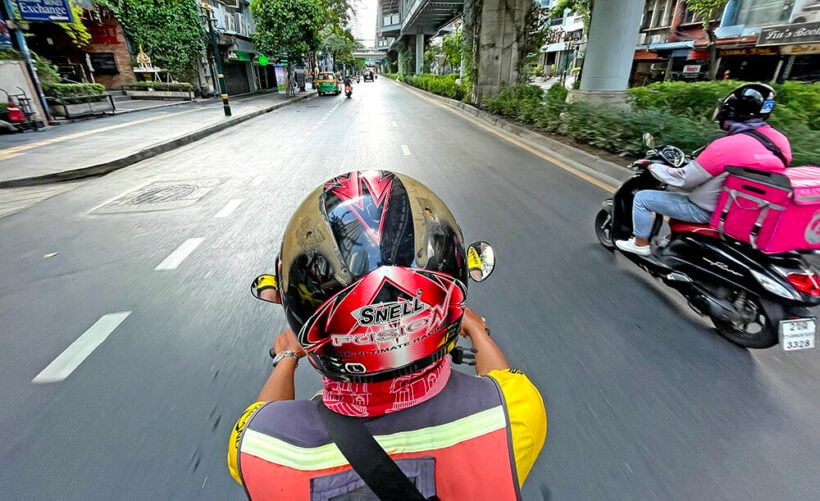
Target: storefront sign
790, 34
750, 51
105, 34
55, 11
559, 35
694, 55
281, 79
801, 50
691, 68
238, 55
554, 47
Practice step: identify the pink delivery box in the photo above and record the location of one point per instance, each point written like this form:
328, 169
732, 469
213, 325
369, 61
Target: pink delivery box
774, 211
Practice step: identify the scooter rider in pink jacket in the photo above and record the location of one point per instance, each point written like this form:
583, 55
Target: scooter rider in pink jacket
750, 143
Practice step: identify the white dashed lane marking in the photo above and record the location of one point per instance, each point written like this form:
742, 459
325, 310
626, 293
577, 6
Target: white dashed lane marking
405, 150
178, 256
228, 209
74, 355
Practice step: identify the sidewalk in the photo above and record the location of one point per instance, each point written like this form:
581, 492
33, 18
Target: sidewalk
96, 147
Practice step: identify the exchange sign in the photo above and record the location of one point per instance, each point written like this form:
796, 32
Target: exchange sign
55, 11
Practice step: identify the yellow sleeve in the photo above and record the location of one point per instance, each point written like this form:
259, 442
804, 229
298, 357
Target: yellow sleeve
236, 437
528, 418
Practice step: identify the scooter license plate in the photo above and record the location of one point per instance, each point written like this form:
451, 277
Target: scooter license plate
797, 334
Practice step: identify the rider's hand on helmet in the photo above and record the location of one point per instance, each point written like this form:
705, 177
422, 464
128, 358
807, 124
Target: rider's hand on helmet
286, 341
472, 324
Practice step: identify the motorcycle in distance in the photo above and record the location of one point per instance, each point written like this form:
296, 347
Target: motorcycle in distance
754, 299
348, 90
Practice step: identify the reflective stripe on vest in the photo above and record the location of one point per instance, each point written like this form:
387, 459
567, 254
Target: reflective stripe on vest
464, 429
328, 456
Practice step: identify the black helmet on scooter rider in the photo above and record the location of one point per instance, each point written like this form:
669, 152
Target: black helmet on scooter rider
373, 276
746, 102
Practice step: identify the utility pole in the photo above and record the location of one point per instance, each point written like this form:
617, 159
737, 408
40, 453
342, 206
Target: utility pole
226, 106
21, 43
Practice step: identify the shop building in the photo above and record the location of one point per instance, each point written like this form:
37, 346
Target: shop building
757, 40
243, 73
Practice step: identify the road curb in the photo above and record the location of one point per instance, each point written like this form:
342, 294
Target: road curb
564, 152
151, 151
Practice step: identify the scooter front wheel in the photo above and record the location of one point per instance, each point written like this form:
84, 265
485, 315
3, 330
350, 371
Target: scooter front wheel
603, 228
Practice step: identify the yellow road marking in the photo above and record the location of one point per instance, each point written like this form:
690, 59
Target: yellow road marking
506, 137
16, 150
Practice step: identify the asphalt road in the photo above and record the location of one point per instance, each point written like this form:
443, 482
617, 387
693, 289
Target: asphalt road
645, 401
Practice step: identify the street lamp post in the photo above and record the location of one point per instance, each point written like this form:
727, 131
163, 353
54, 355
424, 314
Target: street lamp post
226, 106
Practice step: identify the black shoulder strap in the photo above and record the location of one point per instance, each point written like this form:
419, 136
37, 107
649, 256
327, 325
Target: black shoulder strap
768, 144
366, 456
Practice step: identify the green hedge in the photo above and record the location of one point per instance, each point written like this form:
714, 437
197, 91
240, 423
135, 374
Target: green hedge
73, 90
443, 85
165, 86
796, 101
11, 54
672, 119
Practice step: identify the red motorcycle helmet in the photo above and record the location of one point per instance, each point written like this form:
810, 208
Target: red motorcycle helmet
372, 274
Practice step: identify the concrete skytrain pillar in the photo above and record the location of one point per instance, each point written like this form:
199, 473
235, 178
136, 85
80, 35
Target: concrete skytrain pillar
613, 34
419, 53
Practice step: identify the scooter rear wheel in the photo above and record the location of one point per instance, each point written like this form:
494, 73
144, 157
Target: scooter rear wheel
603, 228
757, 328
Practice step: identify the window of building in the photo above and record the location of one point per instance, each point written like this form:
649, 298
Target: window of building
764, 12
647, 16
668, 12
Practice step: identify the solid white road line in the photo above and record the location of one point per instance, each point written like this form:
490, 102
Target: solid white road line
74, 355
257, 180
405, 150
178, 256
228, 209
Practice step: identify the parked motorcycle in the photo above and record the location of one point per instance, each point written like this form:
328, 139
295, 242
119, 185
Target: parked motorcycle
19, 113
754, 299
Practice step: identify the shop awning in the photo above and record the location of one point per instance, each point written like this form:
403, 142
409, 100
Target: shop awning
690, 44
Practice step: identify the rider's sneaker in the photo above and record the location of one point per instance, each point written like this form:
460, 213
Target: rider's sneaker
629, 246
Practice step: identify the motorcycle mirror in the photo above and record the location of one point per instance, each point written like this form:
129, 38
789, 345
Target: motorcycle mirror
265, 288
480, 260
648, 140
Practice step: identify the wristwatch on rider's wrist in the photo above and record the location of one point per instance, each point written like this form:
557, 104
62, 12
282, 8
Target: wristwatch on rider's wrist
283, 354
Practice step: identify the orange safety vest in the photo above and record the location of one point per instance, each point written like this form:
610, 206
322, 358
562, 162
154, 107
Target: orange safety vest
462, 434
